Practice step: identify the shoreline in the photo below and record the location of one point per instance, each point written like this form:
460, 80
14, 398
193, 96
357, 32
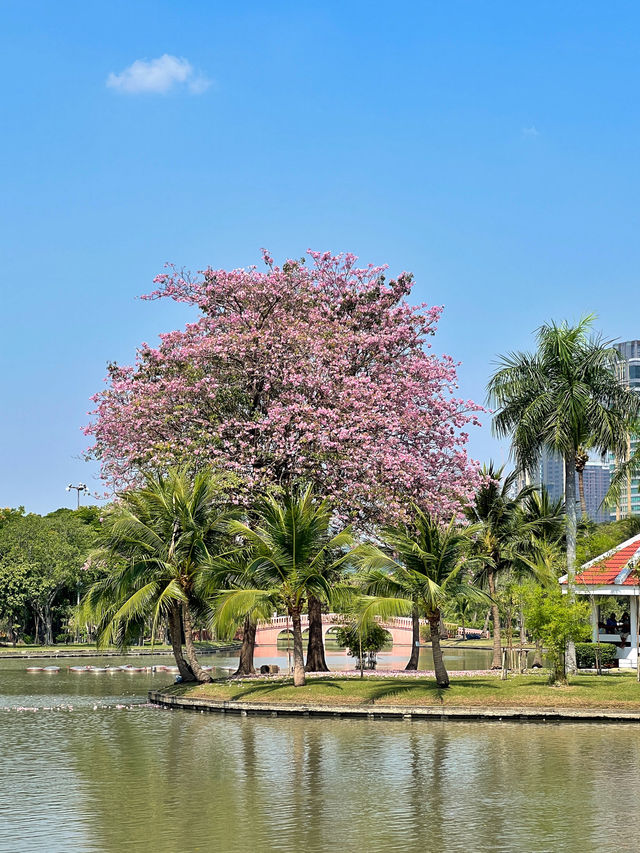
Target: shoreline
14, 654
407, 713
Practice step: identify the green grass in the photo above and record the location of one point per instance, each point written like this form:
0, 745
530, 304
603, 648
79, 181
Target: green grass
584, 691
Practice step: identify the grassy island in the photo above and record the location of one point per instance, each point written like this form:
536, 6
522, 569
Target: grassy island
621, 692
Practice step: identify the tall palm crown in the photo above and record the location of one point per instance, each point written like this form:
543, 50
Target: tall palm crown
543, 516
158, 538
293, 553
565, 396
423, 563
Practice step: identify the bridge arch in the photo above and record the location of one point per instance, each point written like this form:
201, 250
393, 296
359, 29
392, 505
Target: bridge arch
269, 632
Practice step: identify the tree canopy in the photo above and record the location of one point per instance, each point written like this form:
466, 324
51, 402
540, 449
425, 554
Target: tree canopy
317, 371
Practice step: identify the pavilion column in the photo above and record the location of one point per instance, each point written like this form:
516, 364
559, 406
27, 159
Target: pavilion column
594, 622
633, 626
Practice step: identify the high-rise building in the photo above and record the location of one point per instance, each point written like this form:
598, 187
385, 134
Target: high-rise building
549, 472
597, 479
629, 371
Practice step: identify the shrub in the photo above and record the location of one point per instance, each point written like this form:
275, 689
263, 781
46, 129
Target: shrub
586, 655
371, 640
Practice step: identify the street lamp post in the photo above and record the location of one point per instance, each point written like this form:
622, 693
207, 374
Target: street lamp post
79, 488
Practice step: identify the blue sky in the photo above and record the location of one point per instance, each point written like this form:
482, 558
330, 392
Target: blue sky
492, 149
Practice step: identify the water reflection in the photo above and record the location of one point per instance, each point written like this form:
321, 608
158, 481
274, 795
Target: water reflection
459, 658
139, 778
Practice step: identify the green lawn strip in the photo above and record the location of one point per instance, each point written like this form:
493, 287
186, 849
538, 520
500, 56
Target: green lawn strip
585, 691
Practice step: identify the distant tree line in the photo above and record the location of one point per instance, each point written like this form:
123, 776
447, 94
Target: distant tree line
43, 572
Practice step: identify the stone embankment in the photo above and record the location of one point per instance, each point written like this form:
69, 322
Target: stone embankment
399, 712
27, 654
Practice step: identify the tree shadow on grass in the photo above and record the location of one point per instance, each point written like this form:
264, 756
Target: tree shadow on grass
267, 689
396, 689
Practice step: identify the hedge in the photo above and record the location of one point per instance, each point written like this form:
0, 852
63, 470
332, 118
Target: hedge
586, 655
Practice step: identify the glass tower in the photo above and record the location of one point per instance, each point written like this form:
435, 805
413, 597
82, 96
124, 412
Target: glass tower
629, 371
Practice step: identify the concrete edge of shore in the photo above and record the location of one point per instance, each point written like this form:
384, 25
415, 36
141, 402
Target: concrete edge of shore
34, 654
396, 712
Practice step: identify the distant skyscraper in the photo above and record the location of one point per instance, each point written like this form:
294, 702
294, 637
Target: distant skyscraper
629, 368
549, 472
597, 478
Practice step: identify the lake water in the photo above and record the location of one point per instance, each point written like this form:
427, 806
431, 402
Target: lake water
94, 768
459, 658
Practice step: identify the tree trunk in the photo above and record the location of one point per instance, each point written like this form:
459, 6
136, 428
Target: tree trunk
496, 662
537, 656
444, 634
523, 639
415, 639
442, 677
316, 661
487, 618
245, 664
190, 650
48, 625
298, 654
175, 630
583, 503
572, 529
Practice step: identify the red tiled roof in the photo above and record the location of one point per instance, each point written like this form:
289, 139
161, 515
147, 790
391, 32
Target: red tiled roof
607, 570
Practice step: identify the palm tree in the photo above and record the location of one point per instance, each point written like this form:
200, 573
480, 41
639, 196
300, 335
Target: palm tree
565, 396
225, 572
497, 512
294, 552
422, 563
157, 538
543, 520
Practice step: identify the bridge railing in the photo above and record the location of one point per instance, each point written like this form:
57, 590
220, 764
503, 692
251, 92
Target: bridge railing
333, 618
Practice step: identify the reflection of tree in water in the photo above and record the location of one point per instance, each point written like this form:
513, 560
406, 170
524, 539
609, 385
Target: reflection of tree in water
158, 779
425, 789
174, 781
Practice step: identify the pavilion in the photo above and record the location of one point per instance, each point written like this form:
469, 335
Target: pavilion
616, 573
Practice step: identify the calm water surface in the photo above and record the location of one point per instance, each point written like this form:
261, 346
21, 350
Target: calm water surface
82, 774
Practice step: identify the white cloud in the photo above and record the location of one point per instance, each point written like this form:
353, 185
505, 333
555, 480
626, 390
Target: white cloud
530, 131
158, 76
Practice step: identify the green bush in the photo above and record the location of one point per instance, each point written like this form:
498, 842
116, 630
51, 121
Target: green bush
586, 655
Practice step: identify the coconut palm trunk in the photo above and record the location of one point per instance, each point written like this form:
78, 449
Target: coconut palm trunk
581, 459
583, 502
316, 661
415, 639
175, 631
245, 664
442, 676
298, 654
572, 530
496, 661
190, 649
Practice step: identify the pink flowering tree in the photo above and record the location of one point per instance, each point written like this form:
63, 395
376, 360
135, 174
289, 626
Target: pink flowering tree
316, 370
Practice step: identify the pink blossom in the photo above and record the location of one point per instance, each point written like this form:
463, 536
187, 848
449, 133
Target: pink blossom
316, 369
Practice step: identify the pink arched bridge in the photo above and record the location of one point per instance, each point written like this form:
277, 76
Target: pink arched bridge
267, 632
